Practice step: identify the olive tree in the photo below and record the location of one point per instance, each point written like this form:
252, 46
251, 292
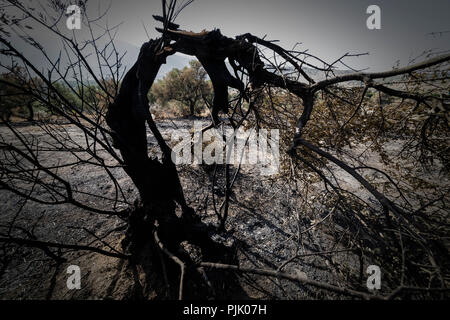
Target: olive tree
188, 86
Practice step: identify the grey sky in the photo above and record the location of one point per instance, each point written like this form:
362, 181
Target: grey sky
327, 28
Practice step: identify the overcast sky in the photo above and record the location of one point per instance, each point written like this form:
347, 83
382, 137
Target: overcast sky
328, 28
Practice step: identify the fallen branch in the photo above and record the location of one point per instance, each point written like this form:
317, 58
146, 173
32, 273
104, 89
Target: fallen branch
173, 257
45, 244
295, 278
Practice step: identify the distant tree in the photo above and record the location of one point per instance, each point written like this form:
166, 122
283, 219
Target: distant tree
187, 86
12, 96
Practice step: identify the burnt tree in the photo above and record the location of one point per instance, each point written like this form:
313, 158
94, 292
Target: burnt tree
154, 220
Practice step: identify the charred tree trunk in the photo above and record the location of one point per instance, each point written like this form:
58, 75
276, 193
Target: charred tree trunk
157, 182
191, 108
30, 111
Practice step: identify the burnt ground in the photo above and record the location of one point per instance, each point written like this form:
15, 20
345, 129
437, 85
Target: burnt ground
263, 231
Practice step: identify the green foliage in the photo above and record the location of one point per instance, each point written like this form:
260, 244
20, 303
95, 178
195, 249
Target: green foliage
12, 98
188, 87
19, 95
68, 94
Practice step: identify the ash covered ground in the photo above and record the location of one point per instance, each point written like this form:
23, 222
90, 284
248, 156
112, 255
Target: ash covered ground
264, 228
